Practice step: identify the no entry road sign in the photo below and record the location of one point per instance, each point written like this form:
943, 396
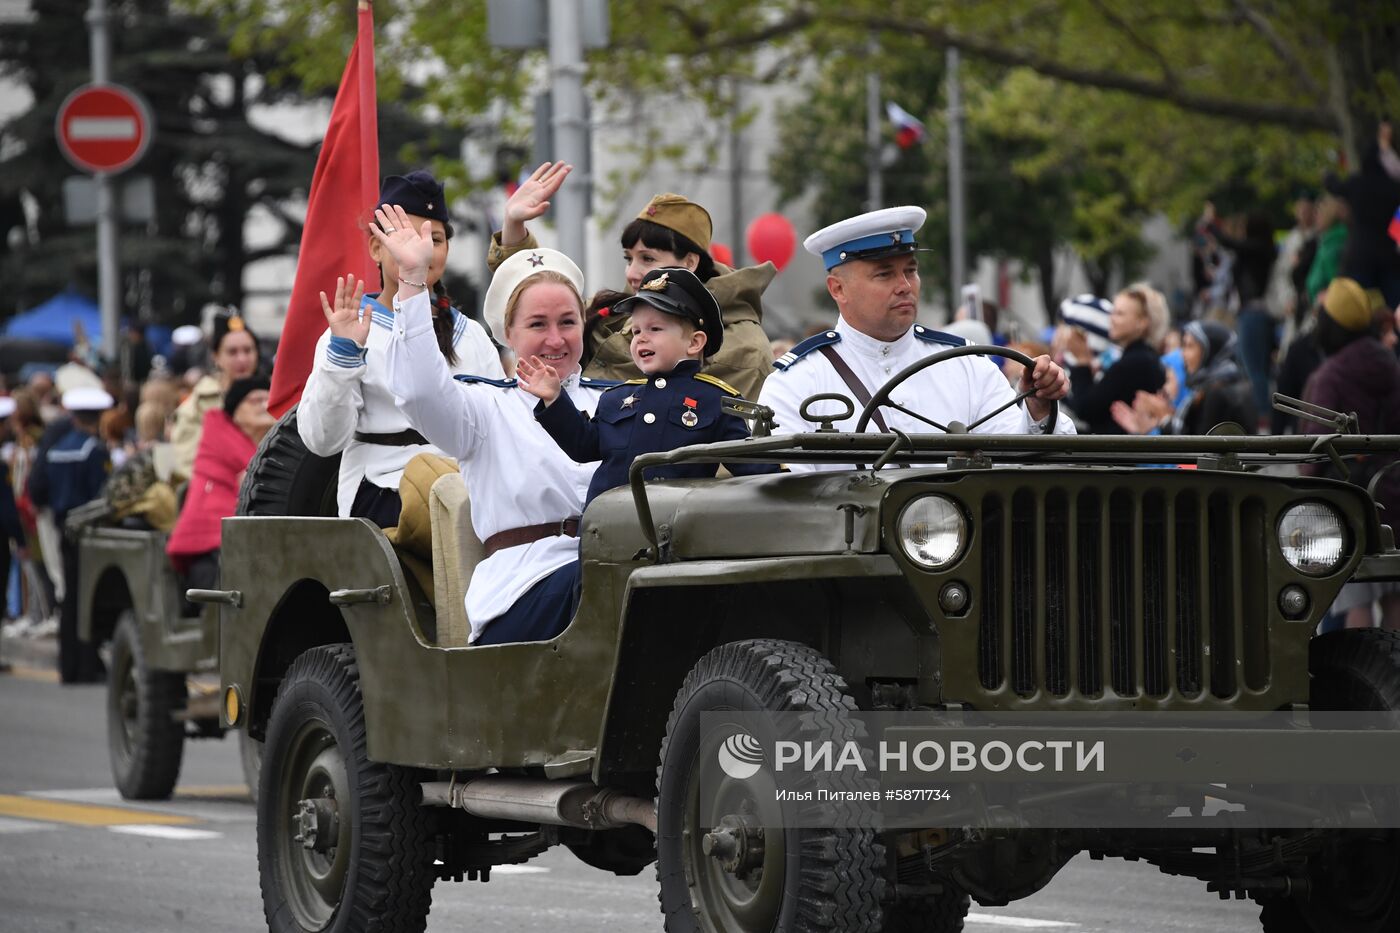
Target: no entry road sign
104, 128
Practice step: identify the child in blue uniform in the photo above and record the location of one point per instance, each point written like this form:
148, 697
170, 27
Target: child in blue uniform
675, 322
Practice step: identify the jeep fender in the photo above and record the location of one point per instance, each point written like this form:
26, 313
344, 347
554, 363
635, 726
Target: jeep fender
853, 608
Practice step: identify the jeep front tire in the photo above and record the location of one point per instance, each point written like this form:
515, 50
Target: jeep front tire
790, 879
145, 741
1354, 887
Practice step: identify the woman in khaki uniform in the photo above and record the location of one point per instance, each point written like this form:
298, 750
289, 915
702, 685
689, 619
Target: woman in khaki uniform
670, 231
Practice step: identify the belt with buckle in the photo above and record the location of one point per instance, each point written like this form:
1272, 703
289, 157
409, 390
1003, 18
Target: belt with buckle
514, 537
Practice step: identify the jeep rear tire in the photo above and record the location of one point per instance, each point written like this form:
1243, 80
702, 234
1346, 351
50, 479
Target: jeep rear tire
284, 478
804, 879
343, 842
145, 741
1359, 891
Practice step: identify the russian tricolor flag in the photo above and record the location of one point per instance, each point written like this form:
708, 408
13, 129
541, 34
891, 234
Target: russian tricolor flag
908, 130
1395, 227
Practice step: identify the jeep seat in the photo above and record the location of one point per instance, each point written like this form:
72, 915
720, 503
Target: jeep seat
456, 552
435, 525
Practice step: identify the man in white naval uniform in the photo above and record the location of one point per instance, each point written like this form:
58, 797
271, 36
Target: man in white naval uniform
873, 275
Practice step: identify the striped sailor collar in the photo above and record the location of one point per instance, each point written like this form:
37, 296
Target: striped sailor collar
384, 317
61, 454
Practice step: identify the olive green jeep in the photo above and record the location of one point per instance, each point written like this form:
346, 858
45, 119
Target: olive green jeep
163, 662
941, 571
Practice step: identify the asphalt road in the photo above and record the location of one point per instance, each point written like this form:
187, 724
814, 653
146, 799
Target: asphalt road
74, 857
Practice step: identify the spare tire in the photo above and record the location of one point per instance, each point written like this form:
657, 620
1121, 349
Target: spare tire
284, 478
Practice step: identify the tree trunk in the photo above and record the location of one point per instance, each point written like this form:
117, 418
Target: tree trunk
1367, 45
233, 207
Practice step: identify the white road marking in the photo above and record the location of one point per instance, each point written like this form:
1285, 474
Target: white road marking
23, 826
166, 832
1020, 923
189, 801
519, 870
116, 128
83, 795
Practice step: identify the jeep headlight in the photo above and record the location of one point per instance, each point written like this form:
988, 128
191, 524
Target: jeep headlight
1312, 537
932, 531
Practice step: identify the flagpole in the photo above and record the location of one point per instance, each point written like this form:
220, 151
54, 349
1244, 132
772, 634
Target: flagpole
570, 125
875, 183
957, 217
108, 266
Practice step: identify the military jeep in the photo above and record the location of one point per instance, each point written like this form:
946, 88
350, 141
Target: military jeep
1070, 573
162, 682
162, 679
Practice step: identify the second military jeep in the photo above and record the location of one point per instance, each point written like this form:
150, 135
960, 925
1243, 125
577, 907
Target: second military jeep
162, 684
946, 571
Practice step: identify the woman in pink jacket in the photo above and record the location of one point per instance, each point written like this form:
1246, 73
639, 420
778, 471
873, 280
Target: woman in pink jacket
230, 437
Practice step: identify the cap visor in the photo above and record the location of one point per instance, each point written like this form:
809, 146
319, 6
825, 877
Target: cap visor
885, 252
657, 300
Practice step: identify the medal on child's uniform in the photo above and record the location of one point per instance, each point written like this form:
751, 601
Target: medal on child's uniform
629, 401
688, 417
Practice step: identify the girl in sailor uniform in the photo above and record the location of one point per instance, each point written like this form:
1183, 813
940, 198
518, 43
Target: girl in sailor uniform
347, 406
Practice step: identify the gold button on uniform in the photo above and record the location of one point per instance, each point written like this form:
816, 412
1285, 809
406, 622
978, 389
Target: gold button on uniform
649, 418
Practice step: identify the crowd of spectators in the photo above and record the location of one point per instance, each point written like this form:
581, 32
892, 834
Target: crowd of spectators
139, 437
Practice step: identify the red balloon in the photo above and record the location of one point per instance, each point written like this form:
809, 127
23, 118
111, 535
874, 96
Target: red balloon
771, 239
721, 253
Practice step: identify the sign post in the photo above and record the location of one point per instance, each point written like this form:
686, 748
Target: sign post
104, 129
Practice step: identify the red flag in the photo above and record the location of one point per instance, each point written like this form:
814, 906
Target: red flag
344, 186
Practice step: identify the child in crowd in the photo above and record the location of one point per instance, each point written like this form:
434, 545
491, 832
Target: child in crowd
675, 323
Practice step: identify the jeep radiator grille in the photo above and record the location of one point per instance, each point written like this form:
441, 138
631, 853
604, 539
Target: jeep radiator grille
1098, 590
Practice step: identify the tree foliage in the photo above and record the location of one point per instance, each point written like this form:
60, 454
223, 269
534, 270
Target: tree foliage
1082, 116
1304, 65
213, 161
1090, 111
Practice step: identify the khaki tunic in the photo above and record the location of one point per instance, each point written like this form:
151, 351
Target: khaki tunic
189, 423
744, 360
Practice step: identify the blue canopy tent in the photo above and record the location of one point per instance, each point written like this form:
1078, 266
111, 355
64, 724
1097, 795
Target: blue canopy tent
53, 320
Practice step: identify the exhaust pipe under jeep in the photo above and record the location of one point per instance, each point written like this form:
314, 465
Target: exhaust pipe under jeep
554, 803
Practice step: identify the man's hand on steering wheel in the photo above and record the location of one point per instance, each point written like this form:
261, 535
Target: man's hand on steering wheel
1050, 383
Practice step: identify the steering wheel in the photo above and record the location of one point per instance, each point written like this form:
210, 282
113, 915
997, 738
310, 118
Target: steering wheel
882, 398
